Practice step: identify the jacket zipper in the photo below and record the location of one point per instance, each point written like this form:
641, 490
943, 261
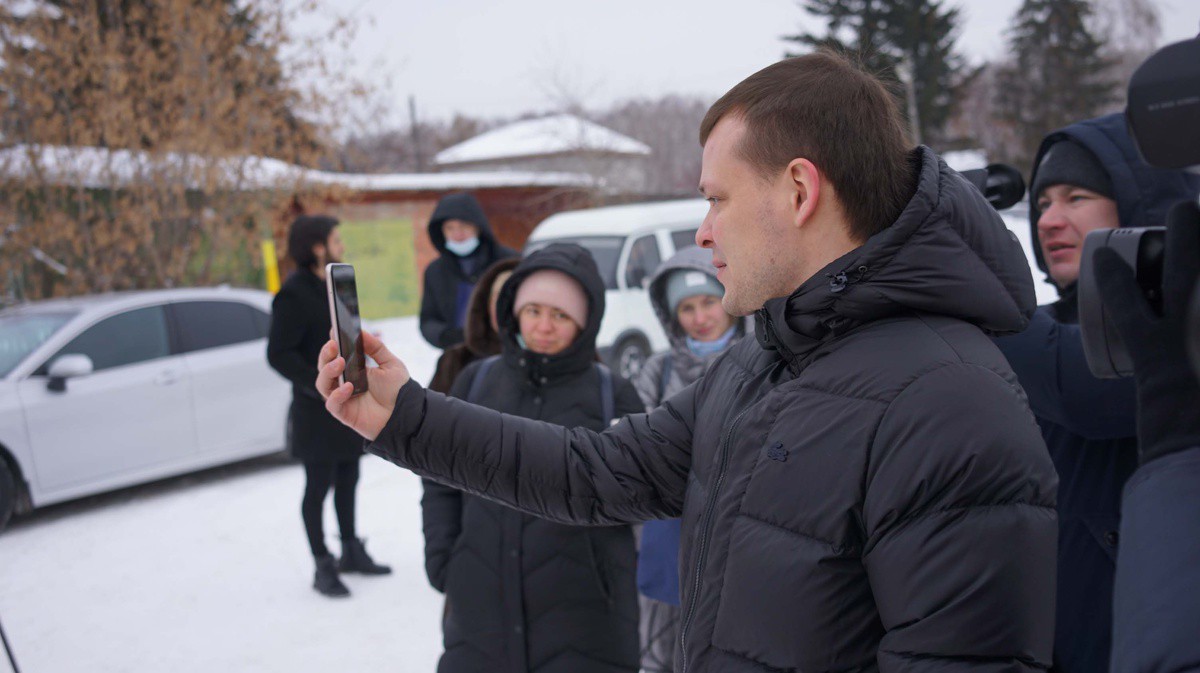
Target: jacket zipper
704, 534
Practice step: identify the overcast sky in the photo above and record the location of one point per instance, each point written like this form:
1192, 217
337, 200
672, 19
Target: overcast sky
493, 59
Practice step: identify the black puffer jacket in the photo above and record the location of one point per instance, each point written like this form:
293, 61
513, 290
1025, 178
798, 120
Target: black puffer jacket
444, 275
862, 488
523, 593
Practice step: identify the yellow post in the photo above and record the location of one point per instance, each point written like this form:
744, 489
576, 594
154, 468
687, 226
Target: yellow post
270, 266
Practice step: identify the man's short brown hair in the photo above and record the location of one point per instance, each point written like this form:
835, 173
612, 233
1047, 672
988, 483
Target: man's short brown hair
824, 108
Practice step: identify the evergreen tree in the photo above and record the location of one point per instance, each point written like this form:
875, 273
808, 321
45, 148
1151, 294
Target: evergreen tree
888, 33
1057, 75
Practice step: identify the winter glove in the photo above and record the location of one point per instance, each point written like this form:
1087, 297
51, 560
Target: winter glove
1168, 392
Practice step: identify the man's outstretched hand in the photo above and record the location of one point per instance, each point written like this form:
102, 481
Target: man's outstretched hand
366, 414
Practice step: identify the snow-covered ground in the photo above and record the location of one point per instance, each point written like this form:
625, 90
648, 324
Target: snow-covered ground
212, 572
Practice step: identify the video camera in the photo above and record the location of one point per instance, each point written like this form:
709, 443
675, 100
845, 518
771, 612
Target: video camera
1163, 115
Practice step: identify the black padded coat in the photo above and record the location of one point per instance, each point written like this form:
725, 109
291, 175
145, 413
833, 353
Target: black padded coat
862, 487
299, 328
524, 594
439, 296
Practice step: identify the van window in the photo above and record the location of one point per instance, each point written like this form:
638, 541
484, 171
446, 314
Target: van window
606, 250
643, 260
684, 238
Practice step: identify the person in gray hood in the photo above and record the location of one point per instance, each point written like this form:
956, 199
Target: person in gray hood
686, 297
862, 486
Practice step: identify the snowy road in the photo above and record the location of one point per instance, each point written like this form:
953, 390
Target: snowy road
212, 573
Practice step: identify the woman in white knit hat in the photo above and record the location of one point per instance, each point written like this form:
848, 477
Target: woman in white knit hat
523, 593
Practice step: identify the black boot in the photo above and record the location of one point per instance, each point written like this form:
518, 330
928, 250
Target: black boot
356, 560
326, 581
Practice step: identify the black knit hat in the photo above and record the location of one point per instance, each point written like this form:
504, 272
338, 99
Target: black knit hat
1069, 163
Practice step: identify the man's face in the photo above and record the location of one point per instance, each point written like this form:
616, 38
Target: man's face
459, 230
546, 330
1069, 214
332, 252
748, 226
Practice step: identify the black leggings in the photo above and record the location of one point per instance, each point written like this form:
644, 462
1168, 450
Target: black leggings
343, 477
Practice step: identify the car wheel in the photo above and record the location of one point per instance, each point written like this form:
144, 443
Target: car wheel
8, 493
630, 355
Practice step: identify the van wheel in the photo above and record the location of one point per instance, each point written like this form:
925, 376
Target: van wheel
8, 493
629, 356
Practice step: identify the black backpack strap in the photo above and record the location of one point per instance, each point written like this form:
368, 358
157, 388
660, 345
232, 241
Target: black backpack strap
608, 404
477, 382
664, 379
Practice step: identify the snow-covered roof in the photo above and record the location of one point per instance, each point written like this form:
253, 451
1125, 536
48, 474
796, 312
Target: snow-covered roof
965, 160
557, 134
101, 168
622, 220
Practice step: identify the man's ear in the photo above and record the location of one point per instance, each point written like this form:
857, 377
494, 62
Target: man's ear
806, 182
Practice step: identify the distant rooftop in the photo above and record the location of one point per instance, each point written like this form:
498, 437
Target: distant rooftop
102, 168
558, 134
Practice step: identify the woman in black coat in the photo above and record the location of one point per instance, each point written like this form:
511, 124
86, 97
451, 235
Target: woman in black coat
330, 451
524, 594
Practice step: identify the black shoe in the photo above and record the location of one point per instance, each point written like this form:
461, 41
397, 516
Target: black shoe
326, 581
356, 560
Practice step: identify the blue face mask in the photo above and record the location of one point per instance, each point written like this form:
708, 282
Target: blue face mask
706, 348
463, 248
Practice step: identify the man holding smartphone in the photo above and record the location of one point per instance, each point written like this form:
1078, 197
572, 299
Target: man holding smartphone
862, 486
300, 325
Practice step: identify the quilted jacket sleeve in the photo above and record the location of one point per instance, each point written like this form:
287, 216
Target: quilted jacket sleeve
960, 526
634, 471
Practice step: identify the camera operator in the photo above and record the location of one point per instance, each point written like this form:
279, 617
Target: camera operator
1157, 603
1086, 177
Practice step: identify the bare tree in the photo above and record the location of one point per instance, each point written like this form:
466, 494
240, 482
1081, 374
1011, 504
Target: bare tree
1130, 31
670, 125
149, 141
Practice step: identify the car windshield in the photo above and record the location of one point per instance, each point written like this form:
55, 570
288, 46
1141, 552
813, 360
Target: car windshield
22, 333
606, 250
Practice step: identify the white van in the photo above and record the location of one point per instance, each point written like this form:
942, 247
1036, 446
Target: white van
628, 243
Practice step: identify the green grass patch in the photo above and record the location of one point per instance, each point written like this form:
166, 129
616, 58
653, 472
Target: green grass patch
384, 260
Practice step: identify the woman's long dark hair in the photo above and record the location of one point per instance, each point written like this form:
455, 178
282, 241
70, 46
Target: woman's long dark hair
307, 231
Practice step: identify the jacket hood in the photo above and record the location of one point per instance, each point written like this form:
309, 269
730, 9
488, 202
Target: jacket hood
948, 253
577, 263
460, 206
478, 335
691, 258
1143, 193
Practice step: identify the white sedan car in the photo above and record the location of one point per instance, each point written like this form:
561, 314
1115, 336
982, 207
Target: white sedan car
102, 392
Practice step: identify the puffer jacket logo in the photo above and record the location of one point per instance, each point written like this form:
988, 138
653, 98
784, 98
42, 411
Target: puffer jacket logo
777, 452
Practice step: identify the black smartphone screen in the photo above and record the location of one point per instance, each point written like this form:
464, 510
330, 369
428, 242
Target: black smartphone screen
349, 328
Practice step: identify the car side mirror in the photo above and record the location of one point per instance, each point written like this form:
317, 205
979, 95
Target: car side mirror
68, 367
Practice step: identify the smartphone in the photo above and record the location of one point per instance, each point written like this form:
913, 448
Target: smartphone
347, 329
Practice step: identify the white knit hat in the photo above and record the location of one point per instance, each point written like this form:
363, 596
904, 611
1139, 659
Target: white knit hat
550, 287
